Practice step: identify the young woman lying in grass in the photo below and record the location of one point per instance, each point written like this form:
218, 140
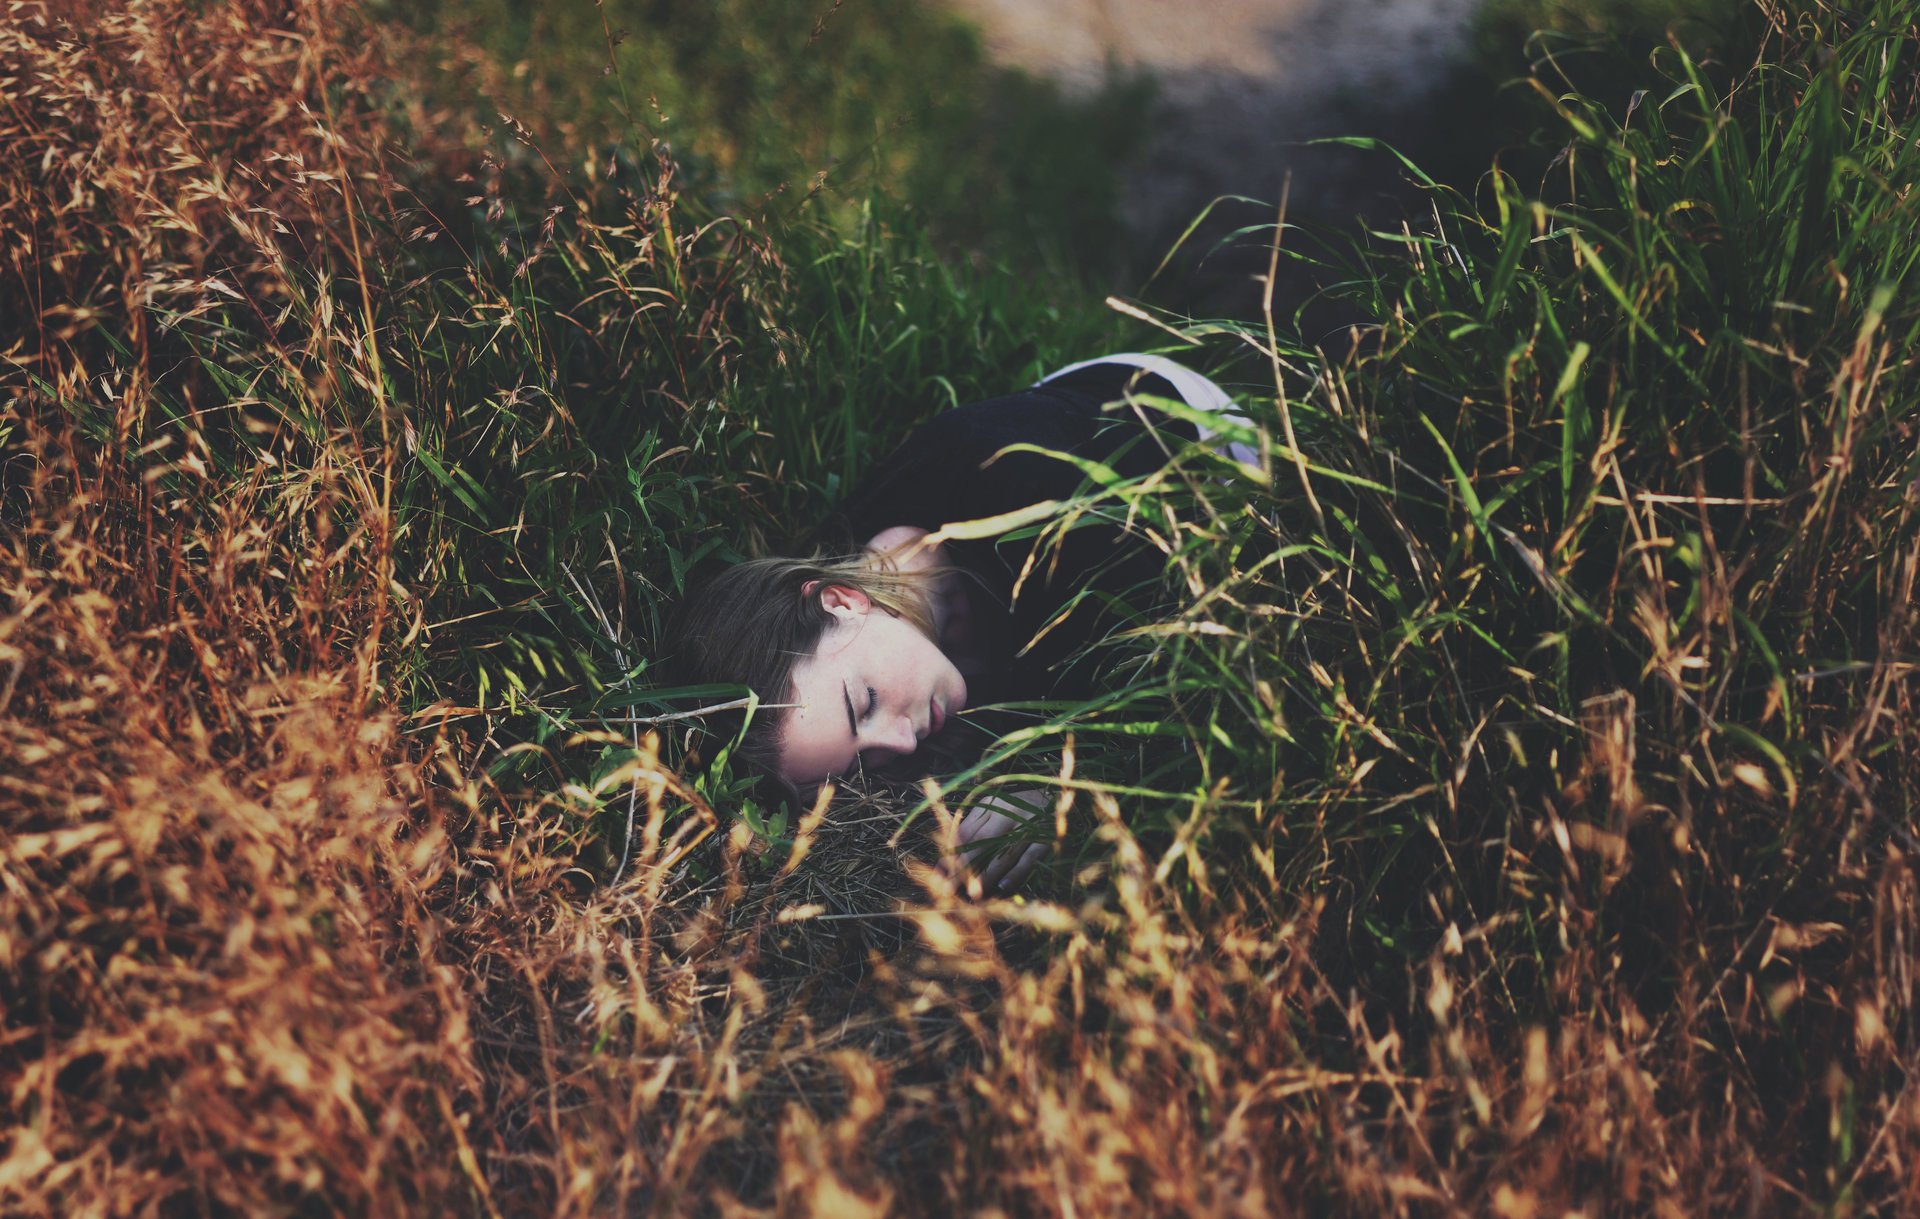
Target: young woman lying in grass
867, 652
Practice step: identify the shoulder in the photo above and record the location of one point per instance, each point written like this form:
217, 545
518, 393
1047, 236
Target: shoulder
1081, 413
956, 466
904, 548
1037, 416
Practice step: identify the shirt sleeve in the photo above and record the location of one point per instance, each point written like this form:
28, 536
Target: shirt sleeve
956, 467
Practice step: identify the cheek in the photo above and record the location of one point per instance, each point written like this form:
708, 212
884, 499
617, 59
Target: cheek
938, 666
925, 652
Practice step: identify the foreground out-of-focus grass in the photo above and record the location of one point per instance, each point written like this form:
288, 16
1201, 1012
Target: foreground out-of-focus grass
1509, 818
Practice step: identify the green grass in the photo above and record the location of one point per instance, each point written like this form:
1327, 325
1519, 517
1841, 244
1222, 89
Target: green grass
1602, 525
653, 457
1463, 585
1511, 794
791, 108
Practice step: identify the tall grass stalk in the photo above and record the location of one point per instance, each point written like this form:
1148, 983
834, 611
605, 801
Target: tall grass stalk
1509, 816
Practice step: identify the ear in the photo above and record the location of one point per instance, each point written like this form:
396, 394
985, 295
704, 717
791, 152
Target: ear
844, 599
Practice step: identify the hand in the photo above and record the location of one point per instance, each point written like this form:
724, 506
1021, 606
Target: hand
1001, 866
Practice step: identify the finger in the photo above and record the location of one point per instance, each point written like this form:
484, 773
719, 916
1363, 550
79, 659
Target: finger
966, 858
977, 853
969, 828
967, 842
1004, 861
994, 869
981, 823
1023, 864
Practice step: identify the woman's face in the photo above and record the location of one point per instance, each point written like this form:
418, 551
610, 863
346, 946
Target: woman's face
871, 692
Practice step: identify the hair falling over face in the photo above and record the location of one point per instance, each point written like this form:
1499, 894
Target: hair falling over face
753, 623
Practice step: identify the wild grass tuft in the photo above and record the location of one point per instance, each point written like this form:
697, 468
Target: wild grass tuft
1508, 817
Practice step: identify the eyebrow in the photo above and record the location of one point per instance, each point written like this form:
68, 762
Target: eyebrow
853, 721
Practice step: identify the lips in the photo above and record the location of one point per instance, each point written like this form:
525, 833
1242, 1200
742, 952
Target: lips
936, 718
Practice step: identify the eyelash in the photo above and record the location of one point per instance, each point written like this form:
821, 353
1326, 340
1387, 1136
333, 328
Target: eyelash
860, 758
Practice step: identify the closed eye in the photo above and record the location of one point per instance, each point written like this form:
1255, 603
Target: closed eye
860, 759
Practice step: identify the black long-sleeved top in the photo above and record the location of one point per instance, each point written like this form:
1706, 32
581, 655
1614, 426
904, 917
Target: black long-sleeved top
953, 469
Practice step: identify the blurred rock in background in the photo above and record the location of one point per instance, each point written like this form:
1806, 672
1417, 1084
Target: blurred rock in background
1240, 85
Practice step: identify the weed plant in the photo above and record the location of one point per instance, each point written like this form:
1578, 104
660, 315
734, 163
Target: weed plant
1510, 816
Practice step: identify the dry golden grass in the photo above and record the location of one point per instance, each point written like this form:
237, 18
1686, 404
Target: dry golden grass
264, 948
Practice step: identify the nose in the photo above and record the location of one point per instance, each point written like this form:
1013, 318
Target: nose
898, 736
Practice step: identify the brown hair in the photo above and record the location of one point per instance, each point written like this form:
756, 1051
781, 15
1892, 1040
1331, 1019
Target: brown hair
750, 624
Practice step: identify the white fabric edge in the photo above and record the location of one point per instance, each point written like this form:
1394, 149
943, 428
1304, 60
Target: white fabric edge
1197, 391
